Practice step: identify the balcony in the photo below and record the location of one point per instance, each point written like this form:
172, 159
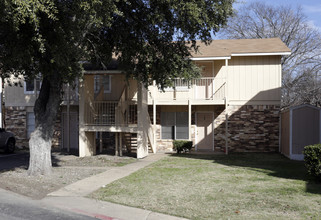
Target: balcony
109, 113
202, 90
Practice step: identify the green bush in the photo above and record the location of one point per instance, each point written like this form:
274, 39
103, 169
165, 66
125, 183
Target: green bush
312, 159
182, 146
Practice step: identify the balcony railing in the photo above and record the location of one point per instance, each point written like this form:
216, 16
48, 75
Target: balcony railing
205, 88
110, 113
100, 113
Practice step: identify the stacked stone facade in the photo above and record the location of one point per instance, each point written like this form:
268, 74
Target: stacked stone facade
253, 128
16, 122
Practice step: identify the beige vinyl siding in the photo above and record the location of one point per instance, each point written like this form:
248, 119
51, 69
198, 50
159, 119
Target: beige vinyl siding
117, 87
254, 78
15, 96
206, 67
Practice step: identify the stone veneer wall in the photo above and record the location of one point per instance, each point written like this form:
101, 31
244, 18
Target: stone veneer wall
253, 128
16, 122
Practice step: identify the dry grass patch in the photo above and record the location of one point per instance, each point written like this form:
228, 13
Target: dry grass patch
66, 169
238, 186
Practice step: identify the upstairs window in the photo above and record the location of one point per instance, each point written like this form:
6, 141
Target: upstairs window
30, 86
102, 82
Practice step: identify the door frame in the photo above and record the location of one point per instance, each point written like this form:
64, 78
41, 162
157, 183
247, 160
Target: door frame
196, 114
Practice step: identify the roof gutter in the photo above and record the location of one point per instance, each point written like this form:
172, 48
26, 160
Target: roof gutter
260, 54
209, 58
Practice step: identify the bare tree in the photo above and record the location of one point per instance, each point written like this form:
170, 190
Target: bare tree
302, 68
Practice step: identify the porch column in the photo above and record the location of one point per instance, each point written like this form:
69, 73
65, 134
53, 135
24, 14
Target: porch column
100, 142
116, 144
142, 136
120, 144
154, 120
0, 102
85, 143
189, 120
87, 146
68, 118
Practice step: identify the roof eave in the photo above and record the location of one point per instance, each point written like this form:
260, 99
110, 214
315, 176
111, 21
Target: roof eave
286, 53
209, 58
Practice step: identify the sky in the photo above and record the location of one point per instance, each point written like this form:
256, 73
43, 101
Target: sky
311, 8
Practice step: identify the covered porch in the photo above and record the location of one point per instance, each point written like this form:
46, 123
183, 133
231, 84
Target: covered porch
125, 118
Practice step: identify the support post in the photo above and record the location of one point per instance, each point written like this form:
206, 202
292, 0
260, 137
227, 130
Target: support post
1, 102
68, 118
226, 129
120, 144
116, 144
189, 120
154, 120
100, 142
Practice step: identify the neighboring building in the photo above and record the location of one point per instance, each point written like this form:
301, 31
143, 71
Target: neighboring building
19, 118
233, 106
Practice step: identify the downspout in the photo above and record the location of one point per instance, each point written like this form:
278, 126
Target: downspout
226, 106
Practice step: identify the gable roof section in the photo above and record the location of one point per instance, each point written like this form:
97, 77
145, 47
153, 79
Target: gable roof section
224, 49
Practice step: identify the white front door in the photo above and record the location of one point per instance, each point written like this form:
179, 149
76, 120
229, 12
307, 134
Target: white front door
204, 131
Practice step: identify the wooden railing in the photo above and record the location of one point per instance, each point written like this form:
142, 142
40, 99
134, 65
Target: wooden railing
100, 113
204, 88
220, 93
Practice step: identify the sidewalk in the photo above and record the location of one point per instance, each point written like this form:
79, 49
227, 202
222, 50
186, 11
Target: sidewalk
72, 196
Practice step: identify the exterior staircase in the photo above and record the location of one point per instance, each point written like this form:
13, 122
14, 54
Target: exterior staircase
130, 140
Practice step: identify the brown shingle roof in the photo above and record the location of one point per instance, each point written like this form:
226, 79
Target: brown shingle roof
225, 48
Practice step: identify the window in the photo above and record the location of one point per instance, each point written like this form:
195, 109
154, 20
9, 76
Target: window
30, 123
102, 82
31, 85
174, 125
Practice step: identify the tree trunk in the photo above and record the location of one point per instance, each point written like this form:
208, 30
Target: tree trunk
46, 108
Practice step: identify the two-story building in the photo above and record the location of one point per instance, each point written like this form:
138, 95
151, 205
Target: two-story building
233, 106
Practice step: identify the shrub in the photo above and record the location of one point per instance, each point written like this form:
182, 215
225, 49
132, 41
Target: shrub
182, 145
312, 159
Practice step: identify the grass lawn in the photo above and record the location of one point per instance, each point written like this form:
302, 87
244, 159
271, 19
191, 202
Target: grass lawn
237, 186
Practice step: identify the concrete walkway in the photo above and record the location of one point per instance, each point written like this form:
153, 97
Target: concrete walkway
72, 196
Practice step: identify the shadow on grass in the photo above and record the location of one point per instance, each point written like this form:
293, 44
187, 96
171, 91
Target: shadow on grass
272, 164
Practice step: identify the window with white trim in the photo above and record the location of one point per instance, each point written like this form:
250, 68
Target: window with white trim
102, 82
30, 86
174, 125
30, 123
